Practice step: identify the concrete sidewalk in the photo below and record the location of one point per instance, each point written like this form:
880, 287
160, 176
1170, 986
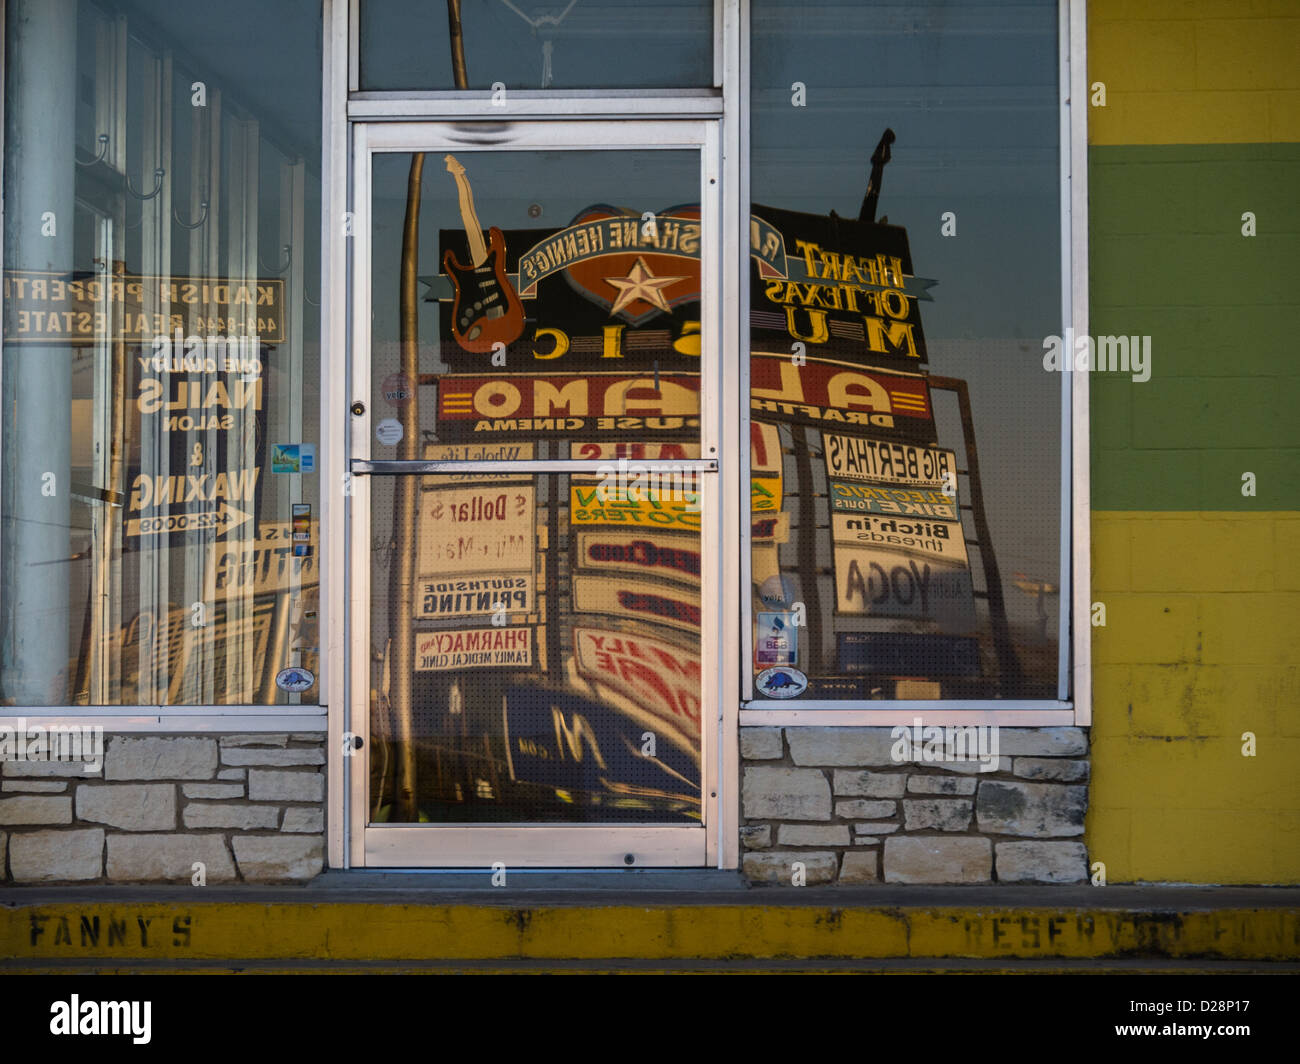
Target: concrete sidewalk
642, 921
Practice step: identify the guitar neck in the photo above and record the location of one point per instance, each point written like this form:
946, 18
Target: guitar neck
478, 251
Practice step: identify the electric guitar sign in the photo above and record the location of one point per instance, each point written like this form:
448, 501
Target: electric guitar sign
485, 309
614, 289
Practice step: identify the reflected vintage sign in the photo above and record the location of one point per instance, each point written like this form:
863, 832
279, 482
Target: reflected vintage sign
476, 452
839, 395
474, 595
878, 499
658, 677
470, 530
616, 286
208, 412
594, 504
844, 289
887, 583
475, 648
266, 564
652, 603
668, 557
944, 540
888, 462
82, 308
477, 550
653, 405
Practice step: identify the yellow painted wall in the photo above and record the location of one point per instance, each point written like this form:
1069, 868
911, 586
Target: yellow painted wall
1202, 587
1199, 648
1195, 71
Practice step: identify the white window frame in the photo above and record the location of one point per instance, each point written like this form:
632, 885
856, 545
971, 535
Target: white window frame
159, 719
1075, 576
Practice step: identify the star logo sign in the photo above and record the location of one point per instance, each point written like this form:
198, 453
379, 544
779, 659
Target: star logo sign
640, 284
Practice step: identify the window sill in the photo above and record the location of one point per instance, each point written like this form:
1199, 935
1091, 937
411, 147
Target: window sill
174, 719
1007, 713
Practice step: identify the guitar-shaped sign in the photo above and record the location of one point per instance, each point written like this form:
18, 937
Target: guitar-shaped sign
486, 309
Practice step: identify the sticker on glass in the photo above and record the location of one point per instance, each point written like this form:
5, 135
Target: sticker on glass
781, 683
777, 592
396, 389
389, 431
295, 679
777, 640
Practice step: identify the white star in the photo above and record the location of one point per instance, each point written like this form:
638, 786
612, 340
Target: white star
640, 283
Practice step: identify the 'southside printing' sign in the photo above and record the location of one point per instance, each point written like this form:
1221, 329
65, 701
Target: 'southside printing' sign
477, 550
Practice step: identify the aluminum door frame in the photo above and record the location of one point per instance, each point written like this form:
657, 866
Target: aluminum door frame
540, 845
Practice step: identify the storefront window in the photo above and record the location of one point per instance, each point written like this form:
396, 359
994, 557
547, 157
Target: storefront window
522, 44
159, 534
906, 269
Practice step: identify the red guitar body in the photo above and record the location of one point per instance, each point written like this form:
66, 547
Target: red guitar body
486, 309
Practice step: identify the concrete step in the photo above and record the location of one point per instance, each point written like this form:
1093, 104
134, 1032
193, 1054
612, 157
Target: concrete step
406, 922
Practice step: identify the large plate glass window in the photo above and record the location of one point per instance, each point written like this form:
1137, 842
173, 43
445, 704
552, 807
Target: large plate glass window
159, 528
905, 273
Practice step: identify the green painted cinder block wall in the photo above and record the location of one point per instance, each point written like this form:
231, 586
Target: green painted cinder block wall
1201, 582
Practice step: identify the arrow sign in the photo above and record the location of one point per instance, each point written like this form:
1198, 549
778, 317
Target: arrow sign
224, 519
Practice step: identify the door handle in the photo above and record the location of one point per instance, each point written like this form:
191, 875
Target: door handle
364, 467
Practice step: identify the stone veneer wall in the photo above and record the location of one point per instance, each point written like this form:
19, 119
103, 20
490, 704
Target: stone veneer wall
248, 807
835, 800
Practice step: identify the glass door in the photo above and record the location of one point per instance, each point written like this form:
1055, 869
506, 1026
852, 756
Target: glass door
533, 508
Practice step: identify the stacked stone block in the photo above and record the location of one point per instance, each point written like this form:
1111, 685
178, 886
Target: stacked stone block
247, 807
835, 801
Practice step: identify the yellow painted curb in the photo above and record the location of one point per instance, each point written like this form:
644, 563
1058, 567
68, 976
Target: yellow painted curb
405, 932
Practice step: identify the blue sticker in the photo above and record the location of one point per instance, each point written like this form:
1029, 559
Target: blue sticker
781, 683
776, 642
293, 458
295, 679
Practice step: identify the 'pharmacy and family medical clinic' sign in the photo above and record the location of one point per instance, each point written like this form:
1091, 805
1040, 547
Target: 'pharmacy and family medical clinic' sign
82, 308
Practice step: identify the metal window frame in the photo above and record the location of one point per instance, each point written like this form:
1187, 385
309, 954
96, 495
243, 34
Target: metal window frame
1074, 653
593, 845
214, 719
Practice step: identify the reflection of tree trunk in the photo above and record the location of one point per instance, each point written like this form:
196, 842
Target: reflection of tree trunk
457, 45
401, 587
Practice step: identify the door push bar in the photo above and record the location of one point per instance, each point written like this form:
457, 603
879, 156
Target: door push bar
363, 467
